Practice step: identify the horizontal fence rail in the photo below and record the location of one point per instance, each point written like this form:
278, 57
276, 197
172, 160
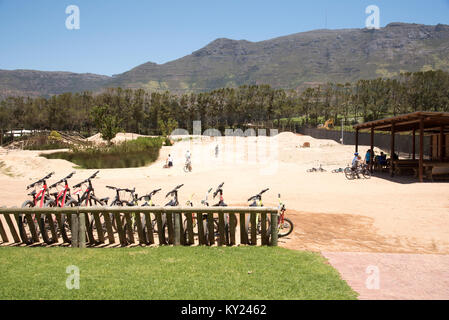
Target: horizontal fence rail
127, 226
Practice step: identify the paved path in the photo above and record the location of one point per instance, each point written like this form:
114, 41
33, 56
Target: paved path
397, 276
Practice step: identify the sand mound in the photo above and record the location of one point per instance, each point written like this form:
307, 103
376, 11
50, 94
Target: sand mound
120, 137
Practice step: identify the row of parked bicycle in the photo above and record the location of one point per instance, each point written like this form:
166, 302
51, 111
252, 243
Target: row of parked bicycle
59, 194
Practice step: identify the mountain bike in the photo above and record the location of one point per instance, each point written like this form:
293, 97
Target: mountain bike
256, 202
168, 219
61, 198
188, 166
88, 198
363, 170
285, 225
149, 203
221, 203
189, 203
119, 200
319, 169
27, 221
204, 202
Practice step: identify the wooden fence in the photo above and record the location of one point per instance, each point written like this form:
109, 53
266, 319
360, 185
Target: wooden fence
125, 226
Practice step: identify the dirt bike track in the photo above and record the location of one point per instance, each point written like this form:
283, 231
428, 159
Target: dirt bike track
351, 223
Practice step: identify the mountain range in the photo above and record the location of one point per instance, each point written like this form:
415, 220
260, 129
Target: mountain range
287, 62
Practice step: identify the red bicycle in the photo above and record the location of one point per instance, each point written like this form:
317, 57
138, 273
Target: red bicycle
61, 199
27, 222
63, 196
285, 225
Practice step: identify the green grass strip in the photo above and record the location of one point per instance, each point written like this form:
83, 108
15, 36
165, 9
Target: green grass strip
183, 273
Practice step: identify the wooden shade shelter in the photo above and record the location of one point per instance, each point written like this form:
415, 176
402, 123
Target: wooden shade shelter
417, 122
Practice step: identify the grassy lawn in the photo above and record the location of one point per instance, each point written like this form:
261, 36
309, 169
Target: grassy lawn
170, 273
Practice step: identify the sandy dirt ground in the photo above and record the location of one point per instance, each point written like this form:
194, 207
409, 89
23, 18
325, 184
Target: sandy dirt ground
330, 213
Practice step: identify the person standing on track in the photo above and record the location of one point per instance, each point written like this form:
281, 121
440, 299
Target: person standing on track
169, 161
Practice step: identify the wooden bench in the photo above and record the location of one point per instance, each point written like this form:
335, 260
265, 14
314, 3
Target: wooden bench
402, 165
429, 166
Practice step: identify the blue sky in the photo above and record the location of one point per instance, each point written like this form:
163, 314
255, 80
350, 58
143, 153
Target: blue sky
117, 35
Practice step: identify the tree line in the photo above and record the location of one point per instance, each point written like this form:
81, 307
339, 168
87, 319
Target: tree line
143, 112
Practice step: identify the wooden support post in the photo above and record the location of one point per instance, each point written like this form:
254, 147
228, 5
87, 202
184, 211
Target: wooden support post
441, 144
274, 229
3, 235
356, 140
12, 228
177, 227
421, 150
82, 230
414, 144
393, 131
371, 158
75, 231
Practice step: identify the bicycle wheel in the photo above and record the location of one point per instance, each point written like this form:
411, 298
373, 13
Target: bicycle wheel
349, 173
285, 228
267, 226
48, 220
115, 203
195, 227
24, 227
366, 173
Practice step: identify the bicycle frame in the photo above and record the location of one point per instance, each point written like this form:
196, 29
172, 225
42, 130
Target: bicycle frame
87, 195
63, 194
41, 194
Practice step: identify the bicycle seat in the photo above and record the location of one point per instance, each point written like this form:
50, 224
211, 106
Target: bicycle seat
112, 188
32, 193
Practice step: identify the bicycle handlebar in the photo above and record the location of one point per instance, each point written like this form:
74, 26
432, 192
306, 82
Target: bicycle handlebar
218, 189
41, 180
151, 194
174, 190
87, 180
121, 189
259, 195
62, 180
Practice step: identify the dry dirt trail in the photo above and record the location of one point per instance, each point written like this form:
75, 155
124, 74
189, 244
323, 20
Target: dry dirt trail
331, 214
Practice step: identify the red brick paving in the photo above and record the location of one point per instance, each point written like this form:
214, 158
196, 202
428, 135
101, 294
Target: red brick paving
401, 276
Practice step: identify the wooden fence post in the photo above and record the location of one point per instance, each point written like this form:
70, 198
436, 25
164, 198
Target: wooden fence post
82, 230
75, 230
274, 229
177, 229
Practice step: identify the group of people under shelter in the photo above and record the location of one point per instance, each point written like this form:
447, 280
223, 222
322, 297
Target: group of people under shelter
379, 161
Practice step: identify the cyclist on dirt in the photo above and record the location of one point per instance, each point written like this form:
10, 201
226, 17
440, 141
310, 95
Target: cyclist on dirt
188, 164
355, 163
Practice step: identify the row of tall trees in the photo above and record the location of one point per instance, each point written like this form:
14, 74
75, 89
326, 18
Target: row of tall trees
145, 112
